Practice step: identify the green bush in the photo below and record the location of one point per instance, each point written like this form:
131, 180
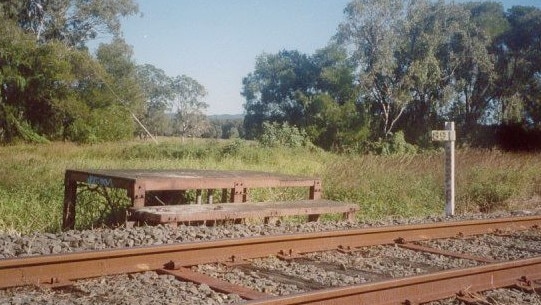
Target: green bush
113, 123
102, 125
282, 135
394, 145
79, 131
233, 148
98, 206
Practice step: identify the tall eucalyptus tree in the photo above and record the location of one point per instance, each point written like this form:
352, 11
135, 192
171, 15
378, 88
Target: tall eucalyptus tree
419, 61
188, 94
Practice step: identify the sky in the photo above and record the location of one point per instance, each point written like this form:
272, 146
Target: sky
216, 42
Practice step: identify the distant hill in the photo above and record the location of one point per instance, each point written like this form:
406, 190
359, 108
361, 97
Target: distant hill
223, 117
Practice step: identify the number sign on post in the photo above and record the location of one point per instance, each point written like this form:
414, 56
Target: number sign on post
448, 136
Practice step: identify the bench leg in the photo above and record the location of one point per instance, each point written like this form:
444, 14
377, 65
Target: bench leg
70, 199
313, 217
130, 220
224, 196
270, 220
198, 197
349, 216
171, 225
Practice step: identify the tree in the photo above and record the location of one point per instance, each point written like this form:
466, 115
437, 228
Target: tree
419, 62
116, 58
449, 69
121, 80
333, 119
52, 91
304, 91
49, 90
336, 73
336, 126
518, 52
232, 129
225, 127
73, 22
17, 51
270, 91
190, 119
474, 67
372, 28
156, 87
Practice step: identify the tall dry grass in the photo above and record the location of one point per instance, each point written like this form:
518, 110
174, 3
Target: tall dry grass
31, 177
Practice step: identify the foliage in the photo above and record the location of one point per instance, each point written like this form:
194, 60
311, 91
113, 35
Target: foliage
110, 124
335, 126
418, 61
270, 90
290, 87
72, 22
282, 135
188, 94
156, 87
173, 105
519, 66
283, 84
225, 127
393, 145
491, 192
405, 66
121, 79
374, 30
51, 91
473, 81
51, 88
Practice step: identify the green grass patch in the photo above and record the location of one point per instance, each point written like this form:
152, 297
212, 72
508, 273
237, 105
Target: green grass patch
32, 191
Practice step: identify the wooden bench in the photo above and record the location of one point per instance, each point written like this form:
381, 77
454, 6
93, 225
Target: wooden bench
158, 196
268, 211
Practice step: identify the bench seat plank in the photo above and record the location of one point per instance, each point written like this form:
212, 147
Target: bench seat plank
232, 211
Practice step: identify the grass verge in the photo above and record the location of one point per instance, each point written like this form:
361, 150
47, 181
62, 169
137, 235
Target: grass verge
31, 183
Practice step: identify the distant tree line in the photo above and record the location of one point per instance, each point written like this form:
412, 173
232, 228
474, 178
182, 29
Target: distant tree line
397, 69
225, 127
394, 70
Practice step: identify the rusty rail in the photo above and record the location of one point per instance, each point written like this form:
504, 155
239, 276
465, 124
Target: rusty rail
35, 270
421, 288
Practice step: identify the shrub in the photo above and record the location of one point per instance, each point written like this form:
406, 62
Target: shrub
394, 145
102, 125
233, 148
81, 132
276, 135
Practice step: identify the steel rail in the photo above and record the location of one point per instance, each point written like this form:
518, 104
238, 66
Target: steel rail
79, 265
421, 288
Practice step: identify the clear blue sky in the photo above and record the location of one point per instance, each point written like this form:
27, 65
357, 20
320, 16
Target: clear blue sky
216, 41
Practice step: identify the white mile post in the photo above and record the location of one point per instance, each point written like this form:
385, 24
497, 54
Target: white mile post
448, 136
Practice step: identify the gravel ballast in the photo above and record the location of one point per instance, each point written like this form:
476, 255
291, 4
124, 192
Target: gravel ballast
17, 245
313, 271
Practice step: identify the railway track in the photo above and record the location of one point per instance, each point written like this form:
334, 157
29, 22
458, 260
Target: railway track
439, 260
